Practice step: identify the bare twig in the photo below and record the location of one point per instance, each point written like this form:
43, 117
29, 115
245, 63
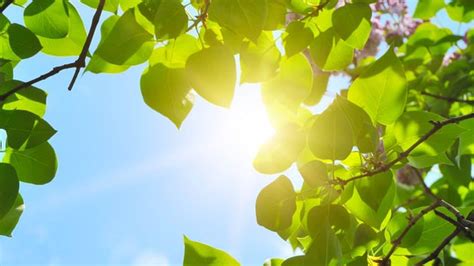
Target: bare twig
78, 64
437, 125
460, 218
443, 244
450, 220
81, 61
413, 220
445, 98
5, 5
201, 17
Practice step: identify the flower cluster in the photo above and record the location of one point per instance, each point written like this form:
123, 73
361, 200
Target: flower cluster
391, 22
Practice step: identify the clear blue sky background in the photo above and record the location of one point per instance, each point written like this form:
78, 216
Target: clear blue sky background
129, 185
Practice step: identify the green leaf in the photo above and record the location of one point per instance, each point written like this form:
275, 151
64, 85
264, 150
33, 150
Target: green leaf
461, 10
381, 90
72, 44
466, 139
196, 253
352, 23
22, 41
320, 83
276, 204
29, 99
276, 14
426, 9
170, 20
323, 217
281, 151
10, 220
212, 74
24, 129
330, 52
9, 187
99, 65
47, 18
37, 165
166, 90
176, 52
292, 85
245, 17
127, 43
259, 61
364, 239
353, 127
314, 173
371, 199
298, 37
326, 250
110, 5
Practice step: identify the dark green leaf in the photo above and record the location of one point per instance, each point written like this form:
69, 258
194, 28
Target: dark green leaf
352, 23
276, 204
9, 187
37, 165
166, 90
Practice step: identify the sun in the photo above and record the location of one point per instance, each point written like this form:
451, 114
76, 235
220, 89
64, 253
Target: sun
247, 120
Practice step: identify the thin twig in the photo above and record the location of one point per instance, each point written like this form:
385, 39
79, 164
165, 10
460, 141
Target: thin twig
81, 61
443, 244
201, 17
396, 243
446, 98
5, 5
461, 219
78, 64
455, 223
437, 125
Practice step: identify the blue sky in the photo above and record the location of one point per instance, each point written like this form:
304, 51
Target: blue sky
129, 184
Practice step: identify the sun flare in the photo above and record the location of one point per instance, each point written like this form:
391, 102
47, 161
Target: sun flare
248, 123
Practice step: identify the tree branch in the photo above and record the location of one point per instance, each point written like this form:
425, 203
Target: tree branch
443, 244
5, 5
448, 99
81, 61
78, 64
437, 125
460, 218
396, 243
455, 223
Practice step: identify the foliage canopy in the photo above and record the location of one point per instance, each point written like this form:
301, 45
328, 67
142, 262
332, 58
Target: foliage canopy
407, 111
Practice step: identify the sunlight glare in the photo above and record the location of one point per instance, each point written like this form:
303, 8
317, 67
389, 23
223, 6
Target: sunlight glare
247, 122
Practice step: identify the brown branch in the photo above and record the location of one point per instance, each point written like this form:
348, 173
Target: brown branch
455, 223
445, 98
78, 64
443, 244
5, 5
396, 243
460, 218
49, 74
81, 61
437, 125
201, 17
